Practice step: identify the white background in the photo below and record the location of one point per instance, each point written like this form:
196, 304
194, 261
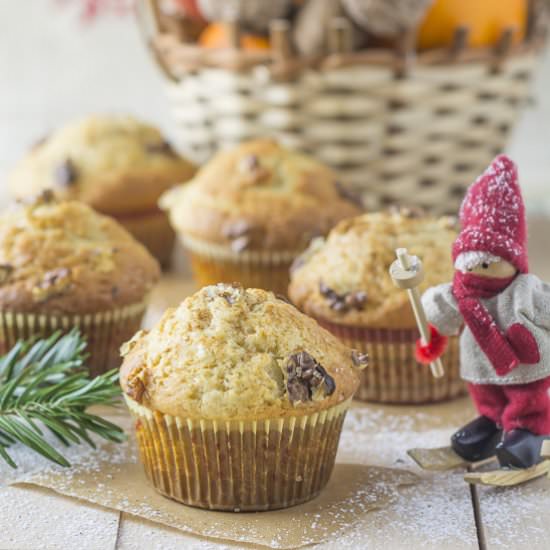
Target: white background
53, 68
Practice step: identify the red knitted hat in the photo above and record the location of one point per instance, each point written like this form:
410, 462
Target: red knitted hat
493, 216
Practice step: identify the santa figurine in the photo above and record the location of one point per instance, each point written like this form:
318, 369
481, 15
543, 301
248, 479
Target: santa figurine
504, 314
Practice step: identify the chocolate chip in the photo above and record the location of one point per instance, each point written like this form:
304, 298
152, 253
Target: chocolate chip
230, 296
343, 302
5, 272
339, 306
297, 391
66, 174
253, 171
250, 163
305, 374
51, 277
360, 360
328, 381
240, 244
356, 300
54, 283
160, 148
114, 291
135, 388
236, 228
348, 194
44, 197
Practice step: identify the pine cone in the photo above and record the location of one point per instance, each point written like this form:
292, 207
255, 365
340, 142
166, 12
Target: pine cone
252, 14
386, 17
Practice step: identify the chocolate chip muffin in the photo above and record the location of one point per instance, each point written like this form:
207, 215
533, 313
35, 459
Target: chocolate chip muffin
343, 282
239, 400
62, 265
116, 164
251, 210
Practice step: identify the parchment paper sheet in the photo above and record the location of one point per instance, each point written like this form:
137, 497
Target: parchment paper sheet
353, 491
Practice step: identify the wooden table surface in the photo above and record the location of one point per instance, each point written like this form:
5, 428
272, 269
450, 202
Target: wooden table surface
437, 513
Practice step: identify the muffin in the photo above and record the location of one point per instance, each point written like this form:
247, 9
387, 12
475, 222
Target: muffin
239, 400
117, 165
344, 283
63, 265
251, 210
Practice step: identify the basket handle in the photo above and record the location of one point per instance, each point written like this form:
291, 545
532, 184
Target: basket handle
148, 22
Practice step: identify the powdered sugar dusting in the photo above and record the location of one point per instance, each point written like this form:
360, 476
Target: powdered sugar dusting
436, 513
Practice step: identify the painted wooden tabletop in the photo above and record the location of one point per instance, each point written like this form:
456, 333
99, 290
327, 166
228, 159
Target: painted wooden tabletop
437, 513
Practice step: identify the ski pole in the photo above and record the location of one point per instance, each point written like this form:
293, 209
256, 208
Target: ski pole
407, 273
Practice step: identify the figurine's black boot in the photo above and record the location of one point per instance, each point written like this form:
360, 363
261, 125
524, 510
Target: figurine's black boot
520, 448
477, 440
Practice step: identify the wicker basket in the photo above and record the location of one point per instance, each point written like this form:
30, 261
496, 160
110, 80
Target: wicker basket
398, 127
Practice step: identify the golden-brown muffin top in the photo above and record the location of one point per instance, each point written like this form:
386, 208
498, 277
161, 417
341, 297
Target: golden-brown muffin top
228, 353
63, 257
259, 196
116, 164
344, 279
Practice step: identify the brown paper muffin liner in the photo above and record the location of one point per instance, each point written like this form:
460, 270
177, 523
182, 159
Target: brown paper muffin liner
104, 332
393, 374
213, 264
248, 465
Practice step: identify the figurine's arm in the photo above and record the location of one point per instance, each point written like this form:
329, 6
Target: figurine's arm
531, 301
442, 310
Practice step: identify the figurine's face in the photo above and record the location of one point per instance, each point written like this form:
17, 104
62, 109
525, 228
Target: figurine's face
500, 269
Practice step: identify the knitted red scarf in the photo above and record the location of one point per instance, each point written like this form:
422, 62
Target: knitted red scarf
504, 351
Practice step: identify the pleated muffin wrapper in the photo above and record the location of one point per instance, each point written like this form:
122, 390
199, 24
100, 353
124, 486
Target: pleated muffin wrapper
393, 374
104, 331
239, 465
214, 263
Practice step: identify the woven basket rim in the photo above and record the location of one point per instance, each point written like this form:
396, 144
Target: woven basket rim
176, 58
197, 57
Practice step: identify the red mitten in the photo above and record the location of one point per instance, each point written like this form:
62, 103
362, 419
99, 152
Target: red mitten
524, 344
428, 353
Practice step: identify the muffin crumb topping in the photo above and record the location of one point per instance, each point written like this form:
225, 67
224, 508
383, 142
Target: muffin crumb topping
229, 352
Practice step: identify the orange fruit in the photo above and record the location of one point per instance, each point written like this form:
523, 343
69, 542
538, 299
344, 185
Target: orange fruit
486, 19
216, 35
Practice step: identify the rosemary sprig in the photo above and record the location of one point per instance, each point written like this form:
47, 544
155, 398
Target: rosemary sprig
44, 385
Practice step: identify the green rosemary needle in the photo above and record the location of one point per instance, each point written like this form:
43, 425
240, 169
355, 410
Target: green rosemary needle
44, 386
